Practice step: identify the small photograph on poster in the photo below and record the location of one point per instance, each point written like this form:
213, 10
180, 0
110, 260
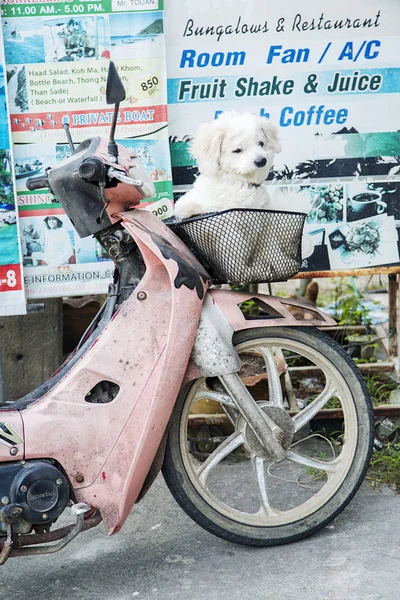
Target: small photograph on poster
137, 35
63, 151
364, 243
9, 253
314, 249
23, 41
17, 91
31, 160
327, 203
4, 136
69, 39
153, 154
47, 240
368, 199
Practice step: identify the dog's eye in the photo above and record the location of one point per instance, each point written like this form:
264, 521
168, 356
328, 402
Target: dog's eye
237, 151
261, 144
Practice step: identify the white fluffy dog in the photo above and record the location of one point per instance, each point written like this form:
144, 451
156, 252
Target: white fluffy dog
234, 154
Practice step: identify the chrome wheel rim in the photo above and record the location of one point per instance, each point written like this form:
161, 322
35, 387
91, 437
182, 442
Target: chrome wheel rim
322, 477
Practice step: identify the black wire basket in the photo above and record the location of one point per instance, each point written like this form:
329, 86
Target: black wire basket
245, 245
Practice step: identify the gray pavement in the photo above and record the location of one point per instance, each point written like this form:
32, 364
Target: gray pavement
161, 554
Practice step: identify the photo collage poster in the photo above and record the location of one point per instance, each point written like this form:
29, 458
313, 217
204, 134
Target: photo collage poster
57, 56
12, 295
328, 77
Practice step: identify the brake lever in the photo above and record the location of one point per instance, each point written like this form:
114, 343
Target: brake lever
114, 173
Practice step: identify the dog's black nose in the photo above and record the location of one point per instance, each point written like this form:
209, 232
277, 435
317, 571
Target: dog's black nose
260, 162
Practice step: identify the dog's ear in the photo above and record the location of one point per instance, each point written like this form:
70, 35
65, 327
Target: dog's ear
272, 135
206, 147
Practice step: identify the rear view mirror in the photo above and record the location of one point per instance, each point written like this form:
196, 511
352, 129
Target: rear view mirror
115, 91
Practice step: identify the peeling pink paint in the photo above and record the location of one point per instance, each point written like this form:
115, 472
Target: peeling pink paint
114, 444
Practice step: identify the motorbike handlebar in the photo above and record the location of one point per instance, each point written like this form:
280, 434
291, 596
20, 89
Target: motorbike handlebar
36, 183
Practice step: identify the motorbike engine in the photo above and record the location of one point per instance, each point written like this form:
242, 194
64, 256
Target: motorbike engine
36, 491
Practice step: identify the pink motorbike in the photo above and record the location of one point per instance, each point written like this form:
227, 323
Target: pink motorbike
223, 390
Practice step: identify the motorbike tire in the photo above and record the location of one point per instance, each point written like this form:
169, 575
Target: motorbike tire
182, 482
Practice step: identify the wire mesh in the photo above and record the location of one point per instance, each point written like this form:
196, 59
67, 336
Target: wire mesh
245, 245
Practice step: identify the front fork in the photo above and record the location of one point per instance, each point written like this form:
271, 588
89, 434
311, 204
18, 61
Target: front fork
266, 431
214, 355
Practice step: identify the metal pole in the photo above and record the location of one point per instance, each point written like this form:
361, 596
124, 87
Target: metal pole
393, 314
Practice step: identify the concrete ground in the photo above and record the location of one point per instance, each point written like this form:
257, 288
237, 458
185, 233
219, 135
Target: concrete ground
161, 554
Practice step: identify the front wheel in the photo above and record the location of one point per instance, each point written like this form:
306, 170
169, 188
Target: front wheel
239, 493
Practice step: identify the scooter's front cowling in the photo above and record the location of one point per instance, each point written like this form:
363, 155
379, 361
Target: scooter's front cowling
106, 449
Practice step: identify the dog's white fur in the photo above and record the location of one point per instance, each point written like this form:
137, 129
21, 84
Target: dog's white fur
231, 179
